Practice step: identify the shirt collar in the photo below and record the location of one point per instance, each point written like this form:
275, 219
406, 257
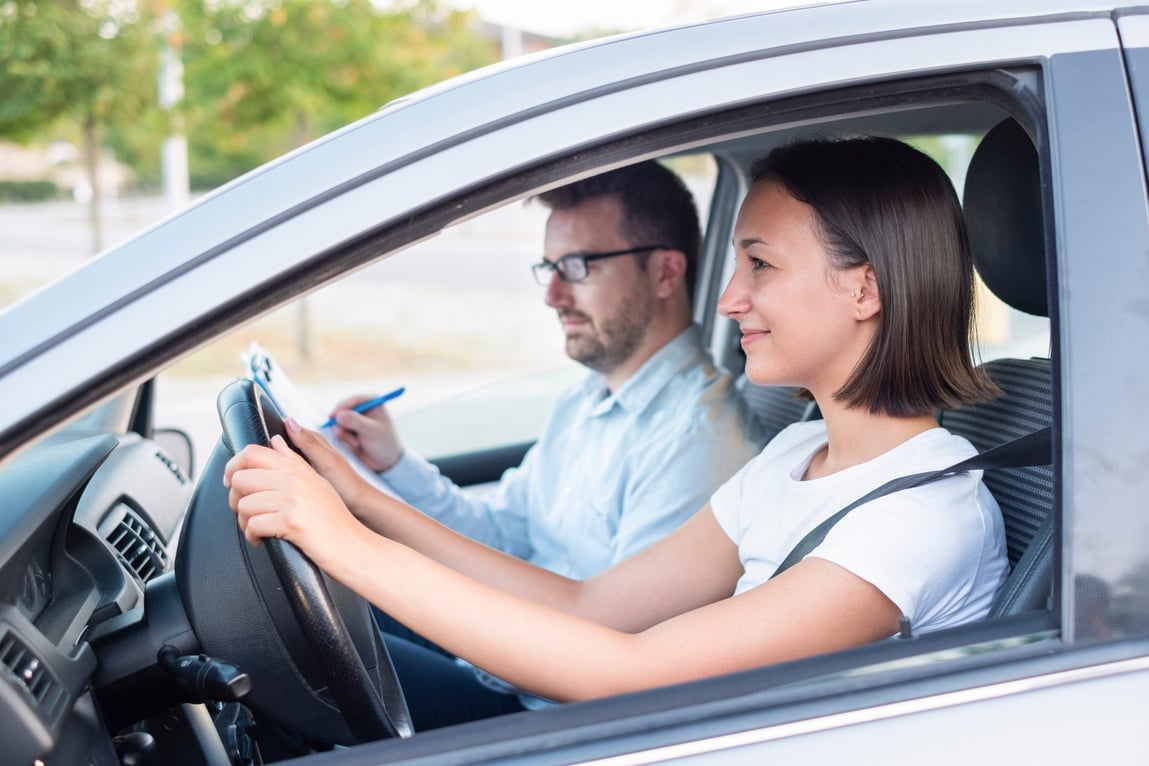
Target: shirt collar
637, 392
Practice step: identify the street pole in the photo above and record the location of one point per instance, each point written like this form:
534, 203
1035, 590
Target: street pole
174, 151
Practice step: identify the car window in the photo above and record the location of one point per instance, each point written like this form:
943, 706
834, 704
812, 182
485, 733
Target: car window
456, 319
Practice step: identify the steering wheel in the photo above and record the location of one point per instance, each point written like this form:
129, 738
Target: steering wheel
305, 639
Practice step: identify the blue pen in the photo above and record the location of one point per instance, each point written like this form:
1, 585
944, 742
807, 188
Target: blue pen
371, 404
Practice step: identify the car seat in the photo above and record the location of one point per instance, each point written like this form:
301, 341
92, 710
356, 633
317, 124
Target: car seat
774, 407
1002, 202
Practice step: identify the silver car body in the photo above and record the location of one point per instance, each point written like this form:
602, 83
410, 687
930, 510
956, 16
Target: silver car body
1058, 695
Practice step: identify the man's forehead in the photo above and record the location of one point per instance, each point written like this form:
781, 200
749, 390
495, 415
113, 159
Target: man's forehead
592, 225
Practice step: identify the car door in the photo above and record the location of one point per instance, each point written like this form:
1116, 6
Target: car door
1012, 702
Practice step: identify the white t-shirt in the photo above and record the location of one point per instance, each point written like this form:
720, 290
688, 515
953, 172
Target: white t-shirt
936, 551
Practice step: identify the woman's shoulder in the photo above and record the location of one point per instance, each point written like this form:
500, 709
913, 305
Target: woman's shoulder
930, 450
959, 498
934, 448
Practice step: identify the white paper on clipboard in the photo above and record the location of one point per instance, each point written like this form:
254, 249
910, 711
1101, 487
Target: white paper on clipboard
260, 367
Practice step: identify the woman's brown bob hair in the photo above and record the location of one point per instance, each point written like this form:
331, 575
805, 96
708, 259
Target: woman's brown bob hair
881, 202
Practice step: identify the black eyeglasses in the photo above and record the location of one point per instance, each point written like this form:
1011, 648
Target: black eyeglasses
573, 267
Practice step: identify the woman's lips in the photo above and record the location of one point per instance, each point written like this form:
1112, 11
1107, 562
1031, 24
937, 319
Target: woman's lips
749, 336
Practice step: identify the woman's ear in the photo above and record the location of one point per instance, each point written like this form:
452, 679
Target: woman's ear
866, 300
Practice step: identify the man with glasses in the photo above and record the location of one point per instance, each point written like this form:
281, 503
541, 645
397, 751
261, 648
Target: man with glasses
639, 445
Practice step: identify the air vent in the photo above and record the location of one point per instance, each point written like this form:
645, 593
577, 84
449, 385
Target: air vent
21, 665
139, 546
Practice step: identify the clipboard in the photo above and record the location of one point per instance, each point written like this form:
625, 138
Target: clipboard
261, 368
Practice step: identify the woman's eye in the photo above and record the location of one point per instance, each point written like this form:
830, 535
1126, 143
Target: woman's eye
757, 264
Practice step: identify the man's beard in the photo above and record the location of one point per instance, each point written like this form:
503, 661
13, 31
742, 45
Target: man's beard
604, 346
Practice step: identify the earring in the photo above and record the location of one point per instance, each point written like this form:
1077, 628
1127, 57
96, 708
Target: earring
854, 294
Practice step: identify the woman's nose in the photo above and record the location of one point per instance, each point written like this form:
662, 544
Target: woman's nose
733, 301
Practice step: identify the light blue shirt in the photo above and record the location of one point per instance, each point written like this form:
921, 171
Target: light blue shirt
610, 474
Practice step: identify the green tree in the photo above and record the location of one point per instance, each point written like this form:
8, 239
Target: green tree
90, 63
266, 76
261, 76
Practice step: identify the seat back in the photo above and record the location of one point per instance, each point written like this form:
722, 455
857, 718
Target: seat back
1002, 203
774, 407
1025, 495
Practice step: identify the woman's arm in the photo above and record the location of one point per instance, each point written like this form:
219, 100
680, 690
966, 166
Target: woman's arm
814, 607
570, 642
623, 597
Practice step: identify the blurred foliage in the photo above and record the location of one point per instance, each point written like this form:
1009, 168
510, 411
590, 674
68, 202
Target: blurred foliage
261, 84
28, 191
89, 61
260, 76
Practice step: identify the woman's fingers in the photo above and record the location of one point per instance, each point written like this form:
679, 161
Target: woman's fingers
276, 493
317, 450
267, 503
261, 480
251, 456
280, 445
256, 526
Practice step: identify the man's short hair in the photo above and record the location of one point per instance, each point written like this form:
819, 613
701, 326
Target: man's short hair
657, 208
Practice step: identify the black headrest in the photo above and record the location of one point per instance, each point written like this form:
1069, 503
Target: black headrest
1002, 204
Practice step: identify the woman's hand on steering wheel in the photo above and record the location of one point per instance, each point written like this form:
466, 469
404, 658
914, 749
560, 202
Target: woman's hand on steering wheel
330, 463
276, 493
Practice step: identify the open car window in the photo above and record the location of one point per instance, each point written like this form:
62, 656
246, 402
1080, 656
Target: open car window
456, 319
1008, 333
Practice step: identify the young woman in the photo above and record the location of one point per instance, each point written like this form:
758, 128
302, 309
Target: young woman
853, 281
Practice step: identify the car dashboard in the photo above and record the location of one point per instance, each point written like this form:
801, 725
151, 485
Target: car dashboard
87, 522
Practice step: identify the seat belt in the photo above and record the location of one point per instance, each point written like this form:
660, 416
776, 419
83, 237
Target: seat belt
1030, 450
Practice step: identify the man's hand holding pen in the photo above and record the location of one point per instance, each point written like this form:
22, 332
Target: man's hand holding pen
364, 426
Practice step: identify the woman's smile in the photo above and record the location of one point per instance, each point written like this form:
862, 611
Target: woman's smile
750, 336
